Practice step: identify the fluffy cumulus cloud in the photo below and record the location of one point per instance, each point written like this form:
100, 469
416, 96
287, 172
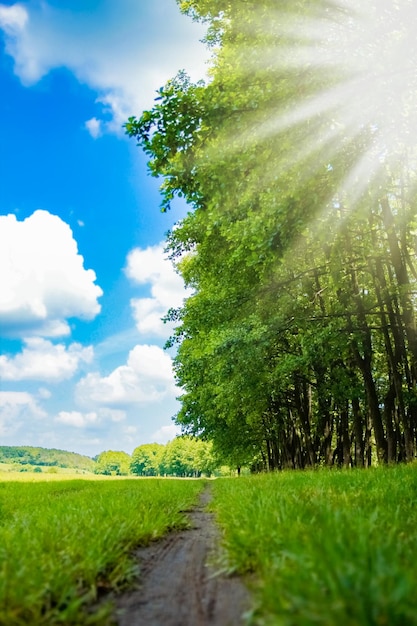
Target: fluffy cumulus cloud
151, 267
77, 419
146, 378
123, 49
41, 360
18, 408
93, 418
13, 19
43, 281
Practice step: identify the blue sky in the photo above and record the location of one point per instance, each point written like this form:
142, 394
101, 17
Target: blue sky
83, 280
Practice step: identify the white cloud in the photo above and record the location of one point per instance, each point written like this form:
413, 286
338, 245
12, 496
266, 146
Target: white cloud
94, 127
166, 433
43, 281
76, 419
13, 19
17, 408
123, 49
150, 266
42, 360
147, 313
146, 378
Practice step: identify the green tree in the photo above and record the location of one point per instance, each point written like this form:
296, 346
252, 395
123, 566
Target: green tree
299, 345
146, 459
187, 456
113, 463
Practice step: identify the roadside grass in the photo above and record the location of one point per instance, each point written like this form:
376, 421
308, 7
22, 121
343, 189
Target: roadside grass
62, 542
325, 547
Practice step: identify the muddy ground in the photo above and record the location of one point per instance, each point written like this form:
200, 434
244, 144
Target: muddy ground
178, 586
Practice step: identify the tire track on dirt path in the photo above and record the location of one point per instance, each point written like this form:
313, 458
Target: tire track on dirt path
178, 587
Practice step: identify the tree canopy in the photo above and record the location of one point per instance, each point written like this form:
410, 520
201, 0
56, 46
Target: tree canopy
297, 158
111, 463
182, 457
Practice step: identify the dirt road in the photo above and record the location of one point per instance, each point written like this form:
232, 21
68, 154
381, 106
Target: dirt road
177, 587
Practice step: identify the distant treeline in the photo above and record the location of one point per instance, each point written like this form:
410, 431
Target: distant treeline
28, 455
183, 456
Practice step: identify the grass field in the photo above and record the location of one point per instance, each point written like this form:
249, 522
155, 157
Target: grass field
61, 541
14, 471
325, 547
320, 548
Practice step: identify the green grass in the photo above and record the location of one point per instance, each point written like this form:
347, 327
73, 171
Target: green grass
61, 542
18, 471
325, 547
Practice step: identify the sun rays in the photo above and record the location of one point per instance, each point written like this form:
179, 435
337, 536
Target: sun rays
344, 74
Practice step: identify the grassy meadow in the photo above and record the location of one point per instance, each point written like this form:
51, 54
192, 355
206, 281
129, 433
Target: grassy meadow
62, 541
14, 471
325, 547
319, 547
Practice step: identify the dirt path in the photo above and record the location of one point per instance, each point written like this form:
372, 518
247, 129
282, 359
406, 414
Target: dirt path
177, 587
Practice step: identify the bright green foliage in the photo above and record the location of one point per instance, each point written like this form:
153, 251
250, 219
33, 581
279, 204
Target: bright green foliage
146, 459
299, 345
113, 463
186, 456
179, 457
61, 542
182, 457
324, 547
28, 455
176, 119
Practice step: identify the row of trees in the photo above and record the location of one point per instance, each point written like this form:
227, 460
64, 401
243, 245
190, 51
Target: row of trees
299, 345
47, 457
181, 457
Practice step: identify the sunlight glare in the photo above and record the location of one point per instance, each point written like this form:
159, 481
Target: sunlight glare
356, 67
